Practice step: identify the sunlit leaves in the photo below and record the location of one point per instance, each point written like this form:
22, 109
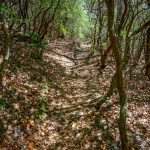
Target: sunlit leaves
73, 19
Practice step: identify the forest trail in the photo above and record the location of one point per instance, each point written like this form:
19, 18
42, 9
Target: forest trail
76, 74
50, 103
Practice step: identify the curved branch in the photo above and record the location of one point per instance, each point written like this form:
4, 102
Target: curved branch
143, 27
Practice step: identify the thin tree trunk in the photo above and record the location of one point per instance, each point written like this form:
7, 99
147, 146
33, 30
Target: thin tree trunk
109, 93
104, 57
119, 79
6, 48
147, 55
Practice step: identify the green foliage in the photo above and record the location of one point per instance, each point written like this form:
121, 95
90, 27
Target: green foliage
94, 49
123, 34
7, 12
36, 44
33, 35
39, 45
41, 98
2, 105
38, 49
73, 20
4, 10
41, 114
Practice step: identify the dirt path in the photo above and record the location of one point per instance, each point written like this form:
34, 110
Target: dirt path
49, 104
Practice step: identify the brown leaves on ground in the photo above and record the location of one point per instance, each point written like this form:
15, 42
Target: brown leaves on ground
49, 103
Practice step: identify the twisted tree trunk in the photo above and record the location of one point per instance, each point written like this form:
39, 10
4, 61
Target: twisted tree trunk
119, 75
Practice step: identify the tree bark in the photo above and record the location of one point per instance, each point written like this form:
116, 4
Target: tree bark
119, 74
6, 48
147, 55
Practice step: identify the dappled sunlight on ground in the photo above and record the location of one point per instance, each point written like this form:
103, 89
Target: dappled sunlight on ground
49, 104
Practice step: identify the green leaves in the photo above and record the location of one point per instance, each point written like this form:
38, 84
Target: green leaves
73, 20
2, 105
41, 114
94, 49
123, 34
33, 35
41, 98
4, 10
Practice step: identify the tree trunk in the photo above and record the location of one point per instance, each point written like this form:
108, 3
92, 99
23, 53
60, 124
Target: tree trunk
6, 48
119, 74
147, 55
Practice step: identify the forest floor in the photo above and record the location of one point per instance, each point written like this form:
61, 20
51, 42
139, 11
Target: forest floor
49, 104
